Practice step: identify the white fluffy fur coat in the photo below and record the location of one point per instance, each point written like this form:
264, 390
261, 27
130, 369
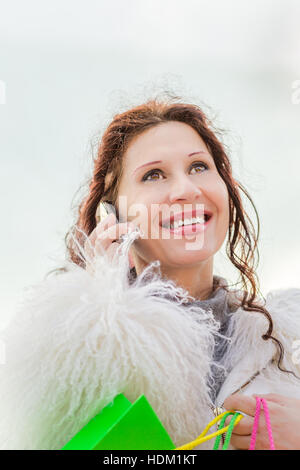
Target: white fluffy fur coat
77, 340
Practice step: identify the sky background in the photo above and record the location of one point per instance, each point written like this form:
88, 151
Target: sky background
66, 67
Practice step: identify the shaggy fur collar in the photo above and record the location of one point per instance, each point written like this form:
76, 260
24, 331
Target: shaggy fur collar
77, 340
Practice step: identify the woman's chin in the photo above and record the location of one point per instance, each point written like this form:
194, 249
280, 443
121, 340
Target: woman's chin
186, 247
186, 258
175, 253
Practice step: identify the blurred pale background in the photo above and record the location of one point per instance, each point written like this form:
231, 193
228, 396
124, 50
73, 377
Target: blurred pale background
67, 66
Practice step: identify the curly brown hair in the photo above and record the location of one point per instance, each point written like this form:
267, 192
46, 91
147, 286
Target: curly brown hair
241, 247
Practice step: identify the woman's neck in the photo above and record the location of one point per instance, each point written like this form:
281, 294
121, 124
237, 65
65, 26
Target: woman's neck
197, 284
197, 280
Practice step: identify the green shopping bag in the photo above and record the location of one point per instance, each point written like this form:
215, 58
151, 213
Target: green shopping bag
123, 425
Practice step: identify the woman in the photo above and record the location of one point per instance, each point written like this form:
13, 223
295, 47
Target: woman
169, 327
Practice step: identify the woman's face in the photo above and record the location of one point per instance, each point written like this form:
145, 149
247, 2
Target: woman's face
173, 180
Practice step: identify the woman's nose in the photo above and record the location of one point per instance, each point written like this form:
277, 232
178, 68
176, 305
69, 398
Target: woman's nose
183, 189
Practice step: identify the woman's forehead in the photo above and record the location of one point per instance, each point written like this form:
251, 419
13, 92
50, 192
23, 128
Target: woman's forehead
140, 156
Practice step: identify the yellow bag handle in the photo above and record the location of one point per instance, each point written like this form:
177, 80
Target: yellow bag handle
203, 437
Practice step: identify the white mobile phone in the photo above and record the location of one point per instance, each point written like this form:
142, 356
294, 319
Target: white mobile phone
103, 210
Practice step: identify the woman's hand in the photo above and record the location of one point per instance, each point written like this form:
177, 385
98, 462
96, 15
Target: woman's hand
103, 239
284, 416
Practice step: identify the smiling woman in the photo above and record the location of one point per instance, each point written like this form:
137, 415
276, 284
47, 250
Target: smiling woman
184, 184
104, 327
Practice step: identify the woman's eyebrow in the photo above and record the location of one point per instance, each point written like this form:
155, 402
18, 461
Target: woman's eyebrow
159, 161
146, 164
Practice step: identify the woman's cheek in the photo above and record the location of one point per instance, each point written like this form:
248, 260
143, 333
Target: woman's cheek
223, 201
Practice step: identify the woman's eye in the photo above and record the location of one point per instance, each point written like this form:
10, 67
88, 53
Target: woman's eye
157, 172
200, 164
150, 173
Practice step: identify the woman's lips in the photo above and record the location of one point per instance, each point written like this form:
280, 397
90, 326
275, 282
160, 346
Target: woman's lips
188, 229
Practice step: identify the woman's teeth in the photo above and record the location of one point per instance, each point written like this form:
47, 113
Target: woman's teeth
179, 223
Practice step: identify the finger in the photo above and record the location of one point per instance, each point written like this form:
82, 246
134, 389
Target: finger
103, 225
244, 427
89, 244
110, 235
243, 442
240, 442
240, 402
114, 232
108, 221
276, 398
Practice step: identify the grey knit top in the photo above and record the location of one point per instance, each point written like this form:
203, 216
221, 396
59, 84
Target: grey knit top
222, 307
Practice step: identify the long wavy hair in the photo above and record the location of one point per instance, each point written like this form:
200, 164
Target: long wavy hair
241, 246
